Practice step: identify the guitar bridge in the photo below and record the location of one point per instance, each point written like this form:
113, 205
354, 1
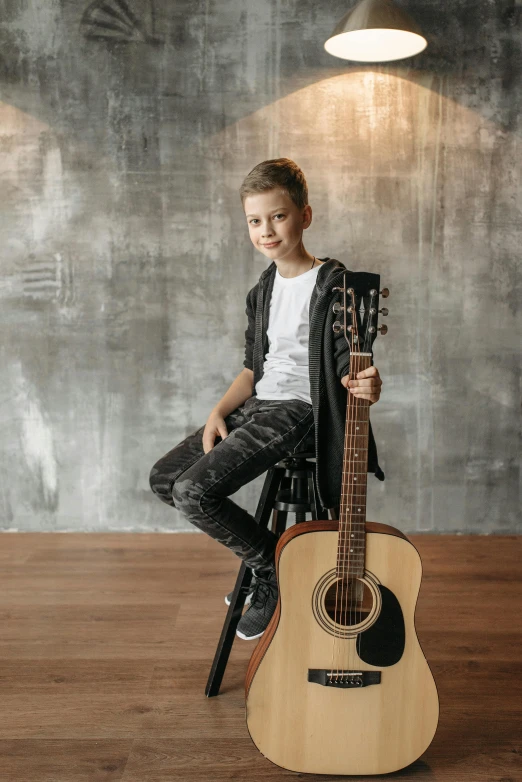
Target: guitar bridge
343, 679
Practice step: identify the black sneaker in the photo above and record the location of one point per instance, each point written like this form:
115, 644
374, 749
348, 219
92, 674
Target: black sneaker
228, 598
255, 620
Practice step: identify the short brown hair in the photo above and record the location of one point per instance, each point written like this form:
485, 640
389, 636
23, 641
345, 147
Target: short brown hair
280, 172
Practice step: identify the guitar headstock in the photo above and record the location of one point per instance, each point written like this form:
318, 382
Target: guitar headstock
360, 305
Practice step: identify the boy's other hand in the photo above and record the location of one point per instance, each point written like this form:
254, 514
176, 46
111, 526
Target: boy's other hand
215, 427
367, 385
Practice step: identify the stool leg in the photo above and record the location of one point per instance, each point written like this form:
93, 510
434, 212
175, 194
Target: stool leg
279, 517
244, 577
302, 487
314, 500
318, 512
280, 521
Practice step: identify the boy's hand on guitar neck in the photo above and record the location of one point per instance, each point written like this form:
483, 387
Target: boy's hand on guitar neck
367, 385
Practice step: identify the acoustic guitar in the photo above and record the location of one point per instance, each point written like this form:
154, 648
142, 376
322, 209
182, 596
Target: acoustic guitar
338, 682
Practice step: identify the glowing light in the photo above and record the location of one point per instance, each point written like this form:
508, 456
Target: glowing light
375, 31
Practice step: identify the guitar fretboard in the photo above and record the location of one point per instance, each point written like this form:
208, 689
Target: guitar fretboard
352, 515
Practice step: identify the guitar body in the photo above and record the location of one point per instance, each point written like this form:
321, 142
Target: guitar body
307, 726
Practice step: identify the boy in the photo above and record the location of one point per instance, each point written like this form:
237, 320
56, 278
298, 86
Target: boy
290, 396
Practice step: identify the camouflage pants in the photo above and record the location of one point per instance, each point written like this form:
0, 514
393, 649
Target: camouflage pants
261, 432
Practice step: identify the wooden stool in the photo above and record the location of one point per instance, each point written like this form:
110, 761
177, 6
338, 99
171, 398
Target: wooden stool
290, 487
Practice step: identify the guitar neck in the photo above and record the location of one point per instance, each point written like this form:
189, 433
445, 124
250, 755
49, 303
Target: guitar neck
352, 514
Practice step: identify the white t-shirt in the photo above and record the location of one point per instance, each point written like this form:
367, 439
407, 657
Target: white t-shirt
285, 368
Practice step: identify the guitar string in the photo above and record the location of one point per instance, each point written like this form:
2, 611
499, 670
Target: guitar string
341, 512
351, 419
345, 568
347, 558
365, 403
363, 406
351, 488
351, 577
340, 543
357, 546
359, 405
347, 530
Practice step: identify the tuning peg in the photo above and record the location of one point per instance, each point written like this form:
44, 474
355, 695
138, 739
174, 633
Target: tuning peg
385, 293
383, 329
384, 311
337, 307
337, 327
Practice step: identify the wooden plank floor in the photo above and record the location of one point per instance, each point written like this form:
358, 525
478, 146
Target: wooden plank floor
107, 640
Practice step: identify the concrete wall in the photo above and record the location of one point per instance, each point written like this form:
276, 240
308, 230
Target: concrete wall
126, 258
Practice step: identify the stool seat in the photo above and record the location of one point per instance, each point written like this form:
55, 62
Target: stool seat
290, 486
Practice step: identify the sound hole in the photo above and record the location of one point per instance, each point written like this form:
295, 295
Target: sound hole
348, 601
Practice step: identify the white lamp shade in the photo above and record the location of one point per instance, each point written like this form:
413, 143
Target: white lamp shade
375, 31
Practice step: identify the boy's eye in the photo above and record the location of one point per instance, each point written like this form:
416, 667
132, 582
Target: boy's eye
254, 219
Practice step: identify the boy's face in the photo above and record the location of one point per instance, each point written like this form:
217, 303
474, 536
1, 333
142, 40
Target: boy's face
273, 219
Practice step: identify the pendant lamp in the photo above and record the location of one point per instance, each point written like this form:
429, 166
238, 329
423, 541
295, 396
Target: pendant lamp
375, 31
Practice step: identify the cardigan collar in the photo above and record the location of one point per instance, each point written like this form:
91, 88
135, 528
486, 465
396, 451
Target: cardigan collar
328, 265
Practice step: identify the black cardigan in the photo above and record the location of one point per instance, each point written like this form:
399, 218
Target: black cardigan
328, 362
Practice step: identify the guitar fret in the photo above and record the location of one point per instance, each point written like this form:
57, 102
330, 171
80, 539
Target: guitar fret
353, 545
354, 536
351, 562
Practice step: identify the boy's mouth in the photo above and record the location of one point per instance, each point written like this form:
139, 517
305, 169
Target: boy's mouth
271, 244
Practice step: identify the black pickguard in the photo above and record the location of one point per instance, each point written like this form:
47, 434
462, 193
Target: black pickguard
383, 643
